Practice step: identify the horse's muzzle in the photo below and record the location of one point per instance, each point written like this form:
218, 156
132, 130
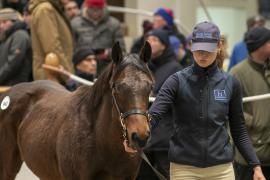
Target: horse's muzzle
139, 142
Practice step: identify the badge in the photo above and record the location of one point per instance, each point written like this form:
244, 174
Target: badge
5, 103
220, 95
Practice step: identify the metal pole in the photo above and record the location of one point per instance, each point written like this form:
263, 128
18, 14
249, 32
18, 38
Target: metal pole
151, 99
205, 11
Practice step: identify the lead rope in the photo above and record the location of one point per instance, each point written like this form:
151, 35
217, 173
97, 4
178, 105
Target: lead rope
142, 154
159, 175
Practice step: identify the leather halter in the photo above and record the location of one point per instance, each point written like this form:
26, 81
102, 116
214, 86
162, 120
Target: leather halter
123, 116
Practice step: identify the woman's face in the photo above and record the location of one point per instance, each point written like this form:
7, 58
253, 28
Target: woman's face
205, 58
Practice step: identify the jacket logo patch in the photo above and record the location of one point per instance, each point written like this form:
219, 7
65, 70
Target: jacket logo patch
220, 95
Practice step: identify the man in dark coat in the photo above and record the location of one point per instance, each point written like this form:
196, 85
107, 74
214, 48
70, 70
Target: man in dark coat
163, 64
15, 49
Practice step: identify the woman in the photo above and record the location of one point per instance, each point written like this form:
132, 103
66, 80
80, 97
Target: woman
205, 100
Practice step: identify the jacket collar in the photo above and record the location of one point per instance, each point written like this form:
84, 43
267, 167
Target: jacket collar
167, 56
208, 71
33, 4
258, 67
15, 27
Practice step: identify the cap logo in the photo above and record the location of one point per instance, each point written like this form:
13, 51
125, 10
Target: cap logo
206, 35
203, 35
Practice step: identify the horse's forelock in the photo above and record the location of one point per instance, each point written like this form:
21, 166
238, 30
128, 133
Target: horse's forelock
133, 60
137, 76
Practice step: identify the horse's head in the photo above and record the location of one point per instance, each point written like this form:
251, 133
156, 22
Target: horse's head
131, 85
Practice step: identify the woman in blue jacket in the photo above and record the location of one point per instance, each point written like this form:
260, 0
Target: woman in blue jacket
205, 102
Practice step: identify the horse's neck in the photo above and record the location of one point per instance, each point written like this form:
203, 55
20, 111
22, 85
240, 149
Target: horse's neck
101, 113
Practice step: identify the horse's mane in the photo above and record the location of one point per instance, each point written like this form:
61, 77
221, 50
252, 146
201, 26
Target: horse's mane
92, 96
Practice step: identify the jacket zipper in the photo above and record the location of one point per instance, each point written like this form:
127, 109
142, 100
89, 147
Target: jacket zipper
206, 121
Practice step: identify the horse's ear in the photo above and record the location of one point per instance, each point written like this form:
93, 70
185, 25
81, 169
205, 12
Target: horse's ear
146, 52
116, 54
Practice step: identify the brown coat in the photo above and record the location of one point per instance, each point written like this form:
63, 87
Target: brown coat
50, 34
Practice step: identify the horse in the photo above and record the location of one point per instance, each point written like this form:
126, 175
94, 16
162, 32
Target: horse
63, 135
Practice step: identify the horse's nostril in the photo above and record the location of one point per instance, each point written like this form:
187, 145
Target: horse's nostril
140, 142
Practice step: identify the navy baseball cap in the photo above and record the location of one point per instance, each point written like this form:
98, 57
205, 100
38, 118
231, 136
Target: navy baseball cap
205, 37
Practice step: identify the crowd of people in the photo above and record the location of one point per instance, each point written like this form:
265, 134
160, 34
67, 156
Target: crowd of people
198, 109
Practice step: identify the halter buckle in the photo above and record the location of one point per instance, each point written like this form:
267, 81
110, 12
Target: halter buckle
149, 117
122, 121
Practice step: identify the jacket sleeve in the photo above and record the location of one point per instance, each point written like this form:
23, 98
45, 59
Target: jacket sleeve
20, 43
164, 100
238, 128
49, 34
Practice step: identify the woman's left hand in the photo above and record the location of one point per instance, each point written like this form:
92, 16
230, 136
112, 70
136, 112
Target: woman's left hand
258, 175
127, 148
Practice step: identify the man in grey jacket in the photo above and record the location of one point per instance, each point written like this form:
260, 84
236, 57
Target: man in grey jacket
15, 49
97, 30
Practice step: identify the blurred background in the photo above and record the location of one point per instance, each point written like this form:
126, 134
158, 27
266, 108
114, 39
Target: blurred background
229, 15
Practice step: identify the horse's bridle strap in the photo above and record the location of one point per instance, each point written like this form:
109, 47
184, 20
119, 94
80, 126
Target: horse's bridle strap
134, 111
128, 113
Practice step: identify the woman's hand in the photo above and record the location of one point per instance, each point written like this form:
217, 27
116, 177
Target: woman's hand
258, 175
127, 148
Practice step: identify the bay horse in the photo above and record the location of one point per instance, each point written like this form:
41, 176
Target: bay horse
63, 135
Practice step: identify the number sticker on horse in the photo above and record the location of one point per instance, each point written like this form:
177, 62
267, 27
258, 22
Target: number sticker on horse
5, 103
